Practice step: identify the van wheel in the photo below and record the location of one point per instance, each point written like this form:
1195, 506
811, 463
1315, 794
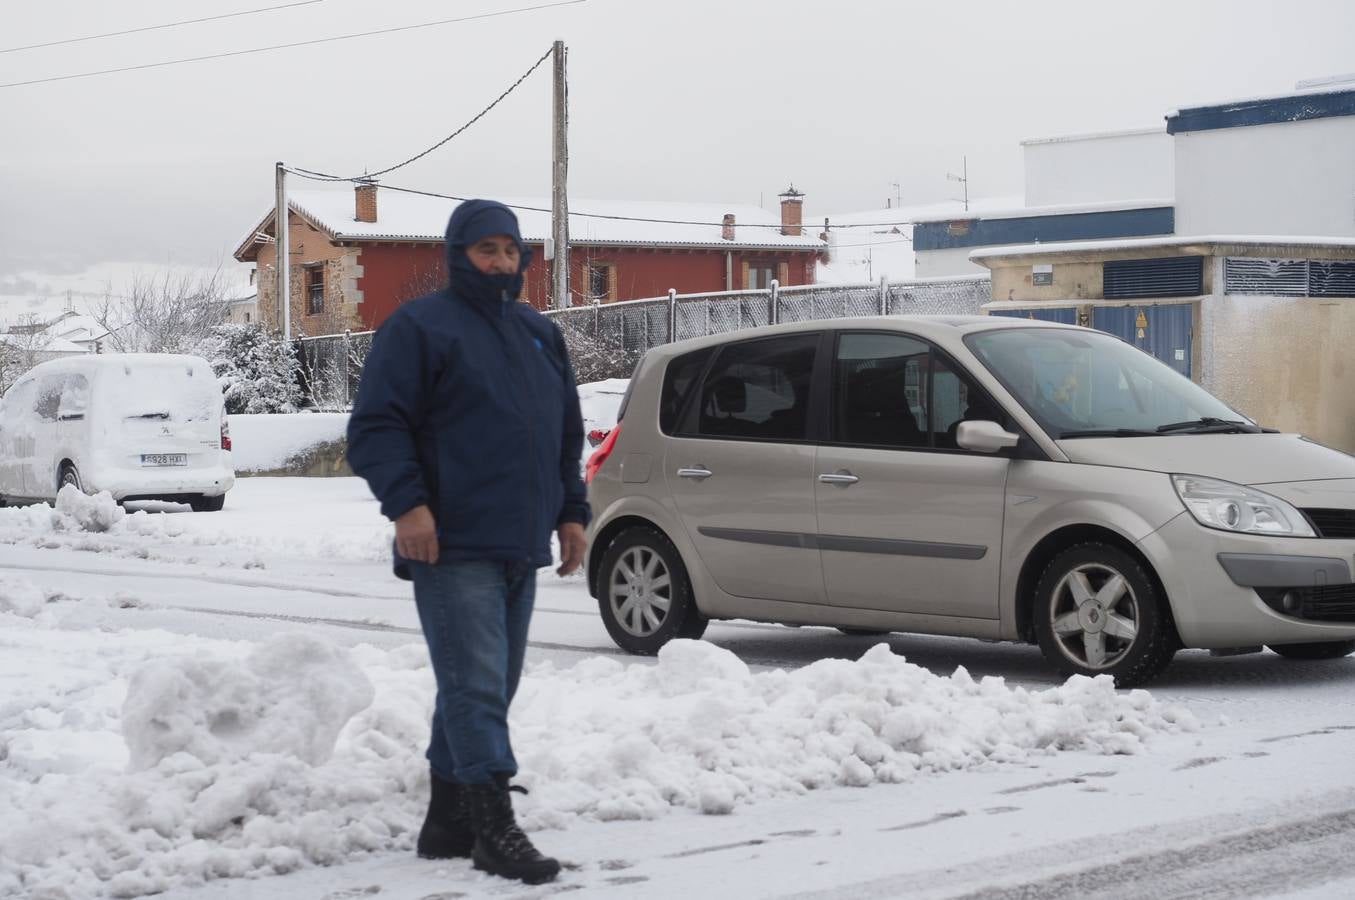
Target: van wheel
202, 503
1319, 650
646, 597
69, 475
1097, 612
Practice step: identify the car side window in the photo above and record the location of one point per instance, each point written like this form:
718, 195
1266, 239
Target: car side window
48, 399
74, 398
891, 390
759, 390
678, 380
879, 390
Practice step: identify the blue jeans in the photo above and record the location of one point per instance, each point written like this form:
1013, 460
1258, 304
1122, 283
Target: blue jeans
474, 615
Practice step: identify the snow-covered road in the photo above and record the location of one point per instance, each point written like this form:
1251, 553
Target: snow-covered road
757, 764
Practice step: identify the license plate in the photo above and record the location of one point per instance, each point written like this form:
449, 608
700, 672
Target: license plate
164, 459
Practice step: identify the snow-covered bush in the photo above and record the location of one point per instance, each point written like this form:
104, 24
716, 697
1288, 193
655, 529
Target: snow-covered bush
257, 373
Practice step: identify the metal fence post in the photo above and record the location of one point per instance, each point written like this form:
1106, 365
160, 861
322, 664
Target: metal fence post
596, 314
347, 362
774, 314
884, 296
672, 315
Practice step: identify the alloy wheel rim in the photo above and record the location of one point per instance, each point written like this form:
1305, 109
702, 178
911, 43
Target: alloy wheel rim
640, 591
1094, 615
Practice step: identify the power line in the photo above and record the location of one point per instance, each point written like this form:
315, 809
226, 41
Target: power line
95, 37
342, 37
321, 176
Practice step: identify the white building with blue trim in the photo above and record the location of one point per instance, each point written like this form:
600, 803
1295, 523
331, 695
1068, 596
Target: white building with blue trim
1277, 166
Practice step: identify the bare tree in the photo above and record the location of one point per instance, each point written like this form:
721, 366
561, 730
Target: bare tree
22, 347
170, 313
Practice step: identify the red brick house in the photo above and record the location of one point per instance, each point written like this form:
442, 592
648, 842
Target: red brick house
356, 255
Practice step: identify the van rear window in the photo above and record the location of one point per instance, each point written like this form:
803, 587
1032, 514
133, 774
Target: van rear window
173, 393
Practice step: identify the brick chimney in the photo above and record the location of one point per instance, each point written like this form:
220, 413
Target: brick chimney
791, 208
727, 229
365, 200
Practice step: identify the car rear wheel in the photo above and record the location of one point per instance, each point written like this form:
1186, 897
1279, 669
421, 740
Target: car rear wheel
645, 596
208, 504
1098, 612
1320, 650
69, 475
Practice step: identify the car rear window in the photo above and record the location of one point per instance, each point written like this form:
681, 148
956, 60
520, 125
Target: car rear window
175, 392
678, 380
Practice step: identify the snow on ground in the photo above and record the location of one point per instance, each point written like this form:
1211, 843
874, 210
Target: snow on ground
262, 443
265, 442
137, 760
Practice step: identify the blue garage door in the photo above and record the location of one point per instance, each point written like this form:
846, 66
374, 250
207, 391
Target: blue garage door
1165, 331
1067, 316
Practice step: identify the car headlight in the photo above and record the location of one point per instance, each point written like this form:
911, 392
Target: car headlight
1232, 507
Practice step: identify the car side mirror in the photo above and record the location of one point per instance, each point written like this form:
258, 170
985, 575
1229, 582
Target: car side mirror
985, 437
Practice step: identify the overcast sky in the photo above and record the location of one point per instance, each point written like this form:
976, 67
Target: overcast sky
712, 100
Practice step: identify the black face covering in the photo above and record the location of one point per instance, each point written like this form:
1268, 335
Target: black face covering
495, 288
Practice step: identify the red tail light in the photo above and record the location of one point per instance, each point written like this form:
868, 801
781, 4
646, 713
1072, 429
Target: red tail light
600, 454
225, 432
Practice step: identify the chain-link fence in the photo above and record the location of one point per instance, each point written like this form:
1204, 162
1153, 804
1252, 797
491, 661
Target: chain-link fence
331, 366
606, 340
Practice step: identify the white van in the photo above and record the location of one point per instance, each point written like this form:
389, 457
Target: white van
141, 426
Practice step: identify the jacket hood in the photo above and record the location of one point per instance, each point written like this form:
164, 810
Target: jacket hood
470, 222
1251, 459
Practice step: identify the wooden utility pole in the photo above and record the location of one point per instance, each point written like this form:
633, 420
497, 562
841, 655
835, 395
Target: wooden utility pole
281, 262
559, 192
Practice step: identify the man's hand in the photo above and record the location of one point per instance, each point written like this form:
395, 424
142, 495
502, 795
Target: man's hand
573, 543
416, 535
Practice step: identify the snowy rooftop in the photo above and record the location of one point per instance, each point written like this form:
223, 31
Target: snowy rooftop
403, 216
906, 215
1282, 240
1017, 211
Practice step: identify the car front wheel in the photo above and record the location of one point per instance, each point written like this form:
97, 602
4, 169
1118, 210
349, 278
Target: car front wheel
1098, 612
645, 596
1320, 650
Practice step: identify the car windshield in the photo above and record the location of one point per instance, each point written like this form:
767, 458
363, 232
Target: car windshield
1089, 384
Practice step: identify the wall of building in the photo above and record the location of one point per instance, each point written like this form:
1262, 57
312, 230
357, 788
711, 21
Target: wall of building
940, 263
308, 246
1284, 361
1099, 168
1286, 178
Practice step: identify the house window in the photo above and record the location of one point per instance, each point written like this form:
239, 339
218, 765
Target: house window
601, 282
315, 290
760, 275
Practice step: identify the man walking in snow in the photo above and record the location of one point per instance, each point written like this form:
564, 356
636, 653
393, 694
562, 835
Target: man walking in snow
467, 429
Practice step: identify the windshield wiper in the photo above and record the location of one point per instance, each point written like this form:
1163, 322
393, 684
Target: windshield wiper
159, 415
1210, 425
1107, 432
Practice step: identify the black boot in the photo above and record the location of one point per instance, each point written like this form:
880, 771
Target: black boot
446, 832
500, 846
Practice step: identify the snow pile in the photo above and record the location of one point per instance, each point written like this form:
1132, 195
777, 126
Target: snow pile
291, 696
20, 597
97, 513
231, 766
265, 442
701, 730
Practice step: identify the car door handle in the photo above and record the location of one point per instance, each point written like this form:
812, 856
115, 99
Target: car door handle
843, 477
698, 472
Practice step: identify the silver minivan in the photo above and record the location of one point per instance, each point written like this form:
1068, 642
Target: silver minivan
995, 478
139, 426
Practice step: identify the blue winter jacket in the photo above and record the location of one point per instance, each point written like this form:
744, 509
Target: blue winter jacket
468, 404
